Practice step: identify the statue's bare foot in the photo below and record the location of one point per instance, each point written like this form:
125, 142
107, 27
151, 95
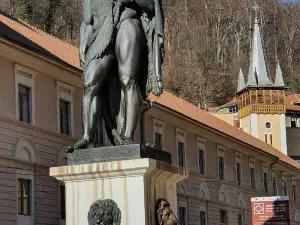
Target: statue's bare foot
81, 144
127, 141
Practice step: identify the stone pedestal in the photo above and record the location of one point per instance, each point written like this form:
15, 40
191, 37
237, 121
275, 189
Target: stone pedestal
134, 184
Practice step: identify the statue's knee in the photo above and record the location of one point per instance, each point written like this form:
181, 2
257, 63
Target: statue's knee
127, 82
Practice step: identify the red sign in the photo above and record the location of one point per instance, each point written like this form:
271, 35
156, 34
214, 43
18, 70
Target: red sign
270, 210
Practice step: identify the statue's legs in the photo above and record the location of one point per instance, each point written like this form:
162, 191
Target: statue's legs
130, 44
94, 76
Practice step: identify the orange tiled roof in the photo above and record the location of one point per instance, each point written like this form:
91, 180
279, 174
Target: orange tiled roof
69, 54
62, 50
293, 98
183, 107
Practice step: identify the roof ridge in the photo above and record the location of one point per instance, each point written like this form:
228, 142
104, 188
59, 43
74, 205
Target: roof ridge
36, 28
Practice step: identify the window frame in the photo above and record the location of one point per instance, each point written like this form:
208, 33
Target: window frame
221, 154
158, 127
265, 170
203, 210
25, 77
252, 166
182, 204
180, 137
226, 216
274, 175
62, 221
284, 181
238, 160
65, 92
242, 217
26, 175
201, 145
294, 192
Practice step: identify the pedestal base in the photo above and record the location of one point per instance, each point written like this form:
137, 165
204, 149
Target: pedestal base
135, 185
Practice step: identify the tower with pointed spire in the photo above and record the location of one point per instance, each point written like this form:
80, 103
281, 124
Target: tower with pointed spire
261, 102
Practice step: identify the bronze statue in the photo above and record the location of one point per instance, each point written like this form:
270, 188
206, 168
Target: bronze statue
121, 53
104, 212
164, 214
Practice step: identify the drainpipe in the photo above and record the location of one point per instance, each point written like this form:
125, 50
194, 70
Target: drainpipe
142, 122
276, 161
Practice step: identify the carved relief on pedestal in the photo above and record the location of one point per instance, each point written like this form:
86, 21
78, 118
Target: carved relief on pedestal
104, 212
164, 214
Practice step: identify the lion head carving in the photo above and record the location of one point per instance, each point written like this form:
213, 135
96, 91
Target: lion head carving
104, 212
164, 214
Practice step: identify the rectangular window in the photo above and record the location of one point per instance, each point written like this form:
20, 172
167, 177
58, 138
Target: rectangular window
24, 197
284, 188
201, 161
64, 113
294, 192
252, 178
202, 218
181, 154
274, 181
271, 139
238, 173
266, 138
223, 217
158, 141
62, 202
240, 219
266, 182
24, 103
221, 167
182, 215
293, 122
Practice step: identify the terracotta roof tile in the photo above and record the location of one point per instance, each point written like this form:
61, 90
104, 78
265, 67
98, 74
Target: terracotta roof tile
63, 50
183, 107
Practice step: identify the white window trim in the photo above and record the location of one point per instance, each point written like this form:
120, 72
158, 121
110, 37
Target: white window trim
158, 127
203, 209
67, 97
61, 221
274, 174
183, 204
201, 145
21, 219
272, 126
294, 182
265, 169
284, 178
268, 138
238, 160
180, 137
252, 166
221, 153
26, 81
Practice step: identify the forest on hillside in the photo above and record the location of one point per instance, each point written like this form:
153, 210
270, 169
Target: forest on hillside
207, 41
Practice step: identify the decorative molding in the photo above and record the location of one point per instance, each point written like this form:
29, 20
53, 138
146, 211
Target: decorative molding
242, 201
224, 196
204, 189
65, 86
183, 189
25, 144
19, 69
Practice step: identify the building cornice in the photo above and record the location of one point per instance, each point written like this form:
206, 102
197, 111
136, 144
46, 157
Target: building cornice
40, 63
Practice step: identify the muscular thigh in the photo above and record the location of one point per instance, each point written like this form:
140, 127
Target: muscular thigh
130, 44
97, 70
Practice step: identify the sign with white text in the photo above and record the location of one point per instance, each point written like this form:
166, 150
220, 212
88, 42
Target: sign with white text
270, 210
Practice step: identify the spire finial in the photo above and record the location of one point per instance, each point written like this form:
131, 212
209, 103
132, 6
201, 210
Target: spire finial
256, 10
